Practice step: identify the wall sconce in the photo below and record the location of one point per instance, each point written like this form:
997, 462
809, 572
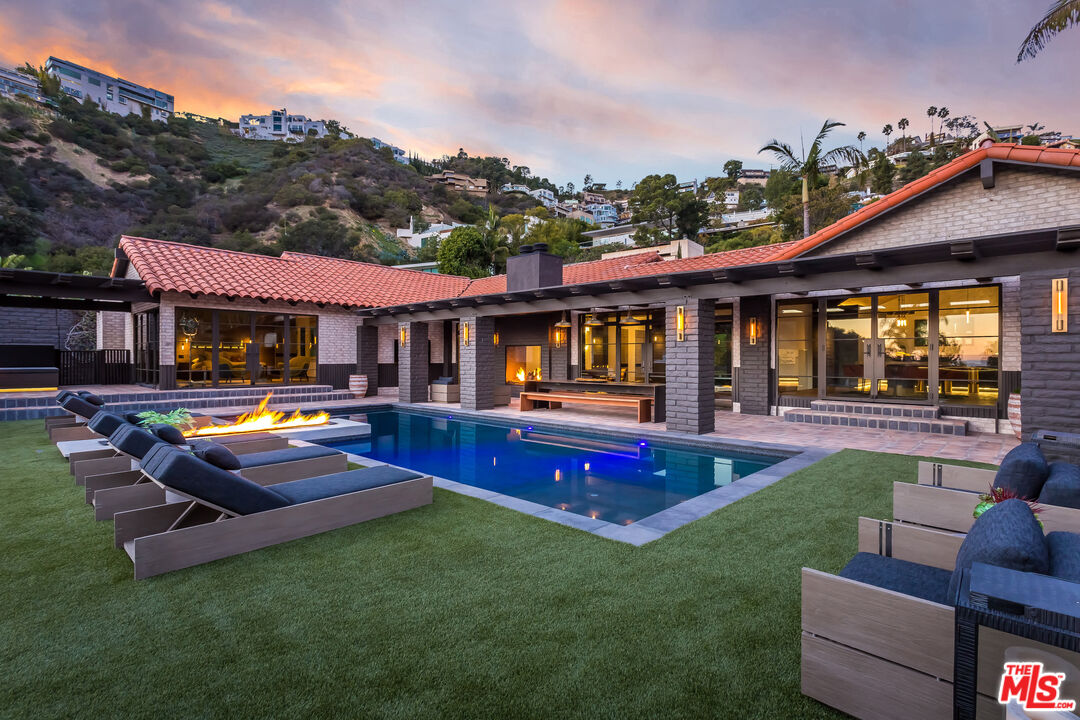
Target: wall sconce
680, 323
465, 333
754, 330
1059, 305
403, 335
495, 337
558, 337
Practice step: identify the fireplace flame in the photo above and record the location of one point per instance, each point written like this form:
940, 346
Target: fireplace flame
520, 376
261, 419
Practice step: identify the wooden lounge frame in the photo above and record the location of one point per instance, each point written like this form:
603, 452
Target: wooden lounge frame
950, 509
163, 538
876, 653
555, 400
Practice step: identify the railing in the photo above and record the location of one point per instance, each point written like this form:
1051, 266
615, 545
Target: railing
94, 367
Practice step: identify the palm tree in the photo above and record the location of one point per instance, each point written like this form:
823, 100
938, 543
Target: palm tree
942, 113
1063, 14
931, 112
861, 136
887, 131
808, 166
903, 125
496, 245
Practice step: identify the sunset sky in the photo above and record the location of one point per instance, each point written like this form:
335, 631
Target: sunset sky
615, 89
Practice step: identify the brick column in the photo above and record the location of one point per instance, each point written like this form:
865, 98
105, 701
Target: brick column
560, 360
754, 359
367, 356
413, 364
477, 369
690, 402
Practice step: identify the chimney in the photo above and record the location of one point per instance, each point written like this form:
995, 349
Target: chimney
533, 267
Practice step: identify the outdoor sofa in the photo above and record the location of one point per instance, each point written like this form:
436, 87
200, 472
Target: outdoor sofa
878, 637
223, 514
129, 489
946, 495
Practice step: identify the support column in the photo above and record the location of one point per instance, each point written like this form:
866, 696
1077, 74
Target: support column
367, 356
477, 363
690, 402
413, 363
1050, 386
754, 354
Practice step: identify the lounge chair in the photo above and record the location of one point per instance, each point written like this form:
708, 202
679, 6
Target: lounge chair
878, 638
128, 489
946, 495
225, 515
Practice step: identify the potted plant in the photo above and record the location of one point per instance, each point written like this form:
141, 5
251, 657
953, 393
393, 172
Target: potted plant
1014, 412
179, 418
1000, 495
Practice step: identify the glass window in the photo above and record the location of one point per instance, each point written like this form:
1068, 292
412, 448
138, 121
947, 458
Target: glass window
303, 358
903, 331
796, 348
194, 347
269, 339
598, 347
523, 363
722, 353
848, 344
969, 345
632, 349
234, 338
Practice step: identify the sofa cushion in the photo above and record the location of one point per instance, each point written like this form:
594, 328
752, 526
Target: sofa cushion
169, 433
1007, 535
217, 455
1023, 470
921, 581
273, 457
1064, 555
199, 479
1062, 487
318, 488
105, 422
134, 440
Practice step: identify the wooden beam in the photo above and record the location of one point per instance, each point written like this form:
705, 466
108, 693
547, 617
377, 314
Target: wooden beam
1068, 238
23, 301
986, 173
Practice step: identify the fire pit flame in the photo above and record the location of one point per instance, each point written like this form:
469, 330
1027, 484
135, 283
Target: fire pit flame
261, 419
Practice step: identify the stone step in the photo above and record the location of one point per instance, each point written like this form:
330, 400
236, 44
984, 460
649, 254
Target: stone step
185, 395
874, 408
936, 426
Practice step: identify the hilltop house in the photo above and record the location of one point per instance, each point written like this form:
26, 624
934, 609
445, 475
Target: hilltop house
545, 196
280, 125
461, 182
112, 94
415, 239
399, 154
14, 83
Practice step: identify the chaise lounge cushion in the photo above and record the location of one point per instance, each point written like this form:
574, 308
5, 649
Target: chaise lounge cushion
1007, 535
199, 479
289, 454
79, 406
105, 422
318, 488
134, 441
921, 581
1064, 555
1062, 487
217, 455
169, 433
92, 398
1023, 470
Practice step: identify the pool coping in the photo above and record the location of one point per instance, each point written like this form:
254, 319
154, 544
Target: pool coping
651, 527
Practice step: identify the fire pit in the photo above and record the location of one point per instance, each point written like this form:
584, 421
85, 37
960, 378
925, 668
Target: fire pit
261, 419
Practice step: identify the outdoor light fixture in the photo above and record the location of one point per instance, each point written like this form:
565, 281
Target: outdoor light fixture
629, 319
563, 323
558, 336
403, 335
680, 323
495, 337
465, 333
754, 330
1059, 306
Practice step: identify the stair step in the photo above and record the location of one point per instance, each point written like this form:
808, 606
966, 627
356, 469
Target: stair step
873, 408
935, 426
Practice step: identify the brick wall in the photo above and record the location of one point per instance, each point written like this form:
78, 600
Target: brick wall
754, 359
478, 364
114, 331
367, 355
387, 338
1050, 382
33, 326
1010, 323
690, 402
1021, 199
435, 337
413, 364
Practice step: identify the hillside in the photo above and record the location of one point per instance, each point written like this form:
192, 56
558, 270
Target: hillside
73, 180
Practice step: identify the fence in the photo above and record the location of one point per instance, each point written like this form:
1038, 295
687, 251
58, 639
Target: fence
95, 367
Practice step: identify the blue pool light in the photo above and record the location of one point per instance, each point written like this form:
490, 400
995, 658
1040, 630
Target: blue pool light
642, 443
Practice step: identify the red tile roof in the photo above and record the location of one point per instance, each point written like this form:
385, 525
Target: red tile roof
169, 266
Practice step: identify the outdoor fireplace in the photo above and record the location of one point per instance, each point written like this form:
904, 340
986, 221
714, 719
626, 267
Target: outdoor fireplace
523, 363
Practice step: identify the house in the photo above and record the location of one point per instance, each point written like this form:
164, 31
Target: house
511, 188
945, 296
688, 186
731, 198
112, 94
399, 154
461, 183
14, 83
674, 250
280, 125
415, 239
593, 198
754, 177
604, 214
545, 196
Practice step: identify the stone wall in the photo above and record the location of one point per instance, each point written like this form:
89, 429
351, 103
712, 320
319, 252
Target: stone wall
690, 401
1021, 199
114, 331
754, 385
367, 356
477, 364
413, 364
34, 326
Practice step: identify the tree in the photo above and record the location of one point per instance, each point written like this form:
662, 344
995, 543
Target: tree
903, 125
861, 136
942, 113
916, 166
780, 184
828, 204
569, 188
656, 200
809, 166
883, 174
50, 84
732, 168
495, 242
887, 131
514, 228
618, 184
586, 184
931, 112
463, 253
1062, 15
751, 197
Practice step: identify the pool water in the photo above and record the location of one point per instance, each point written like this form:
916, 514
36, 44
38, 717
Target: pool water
617, 481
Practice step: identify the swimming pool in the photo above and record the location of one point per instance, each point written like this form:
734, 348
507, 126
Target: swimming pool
617, 481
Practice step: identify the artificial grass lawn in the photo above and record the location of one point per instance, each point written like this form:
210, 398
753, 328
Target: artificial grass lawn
459, 609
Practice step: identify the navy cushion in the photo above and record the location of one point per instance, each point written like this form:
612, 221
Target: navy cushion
105, 422
1023, 470
217, 455
1007, 535
61, 395
272, 457
199, 479
134, 440
317, 488
169, 433
1062, 487
921, 581
133, 418
1064, 555
78, 405
443, 381
92, 398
